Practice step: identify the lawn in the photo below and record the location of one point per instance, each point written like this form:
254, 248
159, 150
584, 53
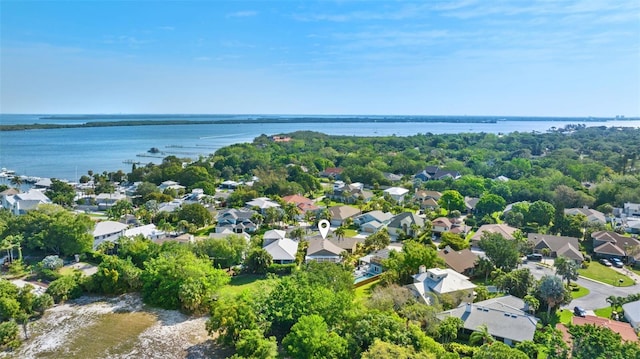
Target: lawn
350, 233
243, 282
581, 292
601, 273
67, 271
363, 293
565, 316
604, 312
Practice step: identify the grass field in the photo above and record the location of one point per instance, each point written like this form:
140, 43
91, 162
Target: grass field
363, 293
581, 292
243, 282
601, 273
117, 333
604, 312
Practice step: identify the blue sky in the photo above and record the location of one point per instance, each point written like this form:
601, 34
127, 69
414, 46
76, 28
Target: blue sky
530, 58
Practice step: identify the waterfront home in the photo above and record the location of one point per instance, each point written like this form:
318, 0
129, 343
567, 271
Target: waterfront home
435, 284
506, 318
22, 202
107, 200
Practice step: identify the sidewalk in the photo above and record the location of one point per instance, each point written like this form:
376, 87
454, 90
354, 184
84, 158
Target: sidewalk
628, 273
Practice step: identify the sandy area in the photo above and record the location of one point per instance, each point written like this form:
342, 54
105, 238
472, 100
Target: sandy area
170, 334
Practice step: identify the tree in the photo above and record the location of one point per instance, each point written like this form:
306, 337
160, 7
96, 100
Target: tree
258, 261
229, 317
253, 344
529, 348
402, 265
180, 280
310, 338
453, 240
452, 200
532, 302
340, 232
16, 181
502, 252
224, 252
448, 329
117, 276
195, 213
517, 282
484, 266
9, 335
590, 341
566, 268
490, 203
384, 350
481, 335
119, 209
65, 288
61, 193
552, 291
541, 212
377, 241
498, 350
297, 233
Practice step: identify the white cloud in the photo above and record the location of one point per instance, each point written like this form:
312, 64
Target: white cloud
246, 13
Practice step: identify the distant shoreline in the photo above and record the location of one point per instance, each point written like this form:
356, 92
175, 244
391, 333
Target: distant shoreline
152, 120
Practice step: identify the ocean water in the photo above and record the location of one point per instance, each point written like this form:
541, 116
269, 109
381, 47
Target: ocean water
70, 153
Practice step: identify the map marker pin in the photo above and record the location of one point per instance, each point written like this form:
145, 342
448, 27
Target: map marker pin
323, 227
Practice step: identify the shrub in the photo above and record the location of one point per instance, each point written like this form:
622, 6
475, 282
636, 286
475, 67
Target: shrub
462, 350
9, 335
281, 269
65, 288
52, 262
585, 265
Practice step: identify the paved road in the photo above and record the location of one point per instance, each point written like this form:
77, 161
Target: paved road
598, 292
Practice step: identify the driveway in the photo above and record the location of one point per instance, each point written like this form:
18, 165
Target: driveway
598, 292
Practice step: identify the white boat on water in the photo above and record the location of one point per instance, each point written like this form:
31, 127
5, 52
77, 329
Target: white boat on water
7, 173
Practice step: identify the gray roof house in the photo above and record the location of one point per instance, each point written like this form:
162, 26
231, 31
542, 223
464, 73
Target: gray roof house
323, 250
559, 246
403, 222
237, 220
610, 244
632, 314
592, 215
108, 231
506, 318
282, 250
340, 213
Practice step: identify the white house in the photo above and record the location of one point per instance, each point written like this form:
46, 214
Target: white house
273, 235
436, 282
396, 193
632, 314
283, 250
148, 231
107, 231
21, 203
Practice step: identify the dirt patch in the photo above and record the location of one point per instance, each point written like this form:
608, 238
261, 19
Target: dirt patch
121, 327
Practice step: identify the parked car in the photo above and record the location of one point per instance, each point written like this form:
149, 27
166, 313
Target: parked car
617, 263
534, 257
579, 311
605, 262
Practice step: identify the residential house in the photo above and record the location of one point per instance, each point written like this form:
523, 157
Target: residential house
633, 227
396, 193
502, 179
273, 235
470, 203
340, 213
608, 244
405, 222
303, 204
373, 261
148, 231
434, 284
107, 200
592, 215
463, 261
392, 177
631, 209
506, 318
43, 183
282, 250
372, 221
632, 314
171, 185
263, 203
226, 232
184, 238
323, 250
558, 246
624, 329
441, 225
229, 184
333, 172
504, 230
351, 193
107, 231
435, 173
21, 203
427, 199
237, 220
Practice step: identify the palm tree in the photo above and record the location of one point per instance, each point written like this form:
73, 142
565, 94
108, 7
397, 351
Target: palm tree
340, 232
297, 233
16, 181
615, 301
484, 265
481, 335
